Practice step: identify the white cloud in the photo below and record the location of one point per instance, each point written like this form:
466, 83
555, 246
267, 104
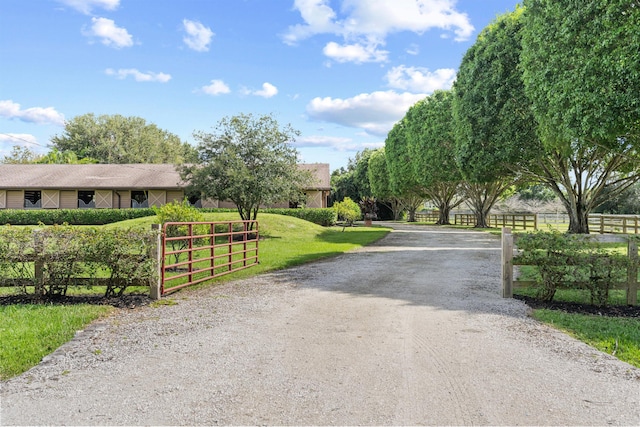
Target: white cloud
110, 34
217, 87
355, 53
39, 115
369, 22
417, 79
86, 6
138, 76
268, 90
318, 17
414, 49
322, 141
374, 112
198, 36
335, 142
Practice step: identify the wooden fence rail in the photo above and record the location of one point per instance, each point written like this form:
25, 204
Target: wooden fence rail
630, 286
515, 221
625, 224
427, 216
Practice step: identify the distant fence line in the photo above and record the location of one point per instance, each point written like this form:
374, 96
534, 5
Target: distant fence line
598, 223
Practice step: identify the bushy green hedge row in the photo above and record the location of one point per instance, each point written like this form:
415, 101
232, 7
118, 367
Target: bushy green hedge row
571, 261
321, 216
70, 216
76, 256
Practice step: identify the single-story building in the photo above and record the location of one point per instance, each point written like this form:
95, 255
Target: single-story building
119, 186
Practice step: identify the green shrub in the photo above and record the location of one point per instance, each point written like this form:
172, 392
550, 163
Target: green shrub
576, 261
180, 212
70, 216
325, 217
72, 256
347, 210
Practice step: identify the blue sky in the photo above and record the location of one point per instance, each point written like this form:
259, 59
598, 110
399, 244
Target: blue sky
341, 72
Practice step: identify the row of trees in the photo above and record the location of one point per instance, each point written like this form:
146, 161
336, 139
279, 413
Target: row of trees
109, 139
548, 94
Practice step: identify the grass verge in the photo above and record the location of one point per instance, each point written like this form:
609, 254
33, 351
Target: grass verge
619, 337
30, 332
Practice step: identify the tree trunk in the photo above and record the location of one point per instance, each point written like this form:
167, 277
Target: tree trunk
396, 208
443, 214
578, 218
412, 214
482, 197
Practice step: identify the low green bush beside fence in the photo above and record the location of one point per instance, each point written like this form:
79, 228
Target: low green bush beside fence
50, 260
593, 264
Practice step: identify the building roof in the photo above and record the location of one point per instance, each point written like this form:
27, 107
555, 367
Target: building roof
111, 176
321, 172
89, 176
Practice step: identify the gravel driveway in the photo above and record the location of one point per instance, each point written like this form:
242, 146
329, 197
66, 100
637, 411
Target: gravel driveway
411, 330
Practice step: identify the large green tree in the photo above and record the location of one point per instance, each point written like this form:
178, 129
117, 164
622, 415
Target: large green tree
495, 135
581, 70
119, 139
249, 161
401, 176
379, 182
431, 145
352, 181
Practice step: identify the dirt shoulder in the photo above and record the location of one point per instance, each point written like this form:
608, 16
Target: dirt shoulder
411, 330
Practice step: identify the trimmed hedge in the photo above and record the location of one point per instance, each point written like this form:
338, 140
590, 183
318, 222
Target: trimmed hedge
324, 216
76, 256
321, 216
70, 216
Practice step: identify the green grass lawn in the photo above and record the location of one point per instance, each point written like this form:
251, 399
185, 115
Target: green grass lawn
617, 336
29, 332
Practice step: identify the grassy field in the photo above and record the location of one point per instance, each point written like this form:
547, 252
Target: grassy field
29, 332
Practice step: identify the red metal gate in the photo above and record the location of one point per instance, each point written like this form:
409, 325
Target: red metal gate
194, 252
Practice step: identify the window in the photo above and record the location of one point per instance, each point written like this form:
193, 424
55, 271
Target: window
86, 199
195, 201
139, 199
32, 199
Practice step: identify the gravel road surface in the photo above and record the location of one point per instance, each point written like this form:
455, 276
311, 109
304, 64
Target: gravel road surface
411, 330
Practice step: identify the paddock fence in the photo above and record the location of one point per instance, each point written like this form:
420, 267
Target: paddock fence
509, 245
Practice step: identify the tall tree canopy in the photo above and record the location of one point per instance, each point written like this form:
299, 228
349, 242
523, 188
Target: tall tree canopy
399, 164
249, 161
352, 181
119, 139
495, 134
581, 70
431, 145
379, 182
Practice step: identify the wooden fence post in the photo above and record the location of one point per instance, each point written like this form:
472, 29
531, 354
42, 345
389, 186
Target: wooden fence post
507, 263
38, 246
155, 289
632, 273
